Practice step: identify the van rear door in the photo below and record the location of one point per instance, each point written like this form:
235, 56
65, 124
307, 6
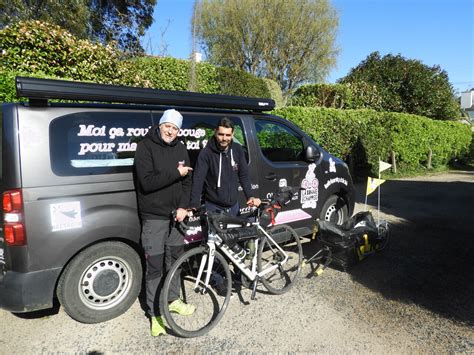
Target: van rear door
2, 240
2, 254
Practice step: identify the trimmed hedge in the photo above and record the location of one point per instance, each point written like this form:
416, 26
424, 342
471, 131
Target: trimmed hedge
364, 136
322, 95
358, 95
38, 47
241, 83
7, 84
275, 92
34, 48
169, 74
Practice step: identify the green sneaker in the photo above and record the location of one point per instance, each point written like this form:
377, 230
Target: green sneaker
184, 309
157, 326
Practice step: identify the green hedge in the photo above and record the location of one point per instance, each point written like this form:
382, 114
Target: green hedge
364, 136
275, 92
7, 83
34, 48
358, 95
322, 95
169, 74
234, 82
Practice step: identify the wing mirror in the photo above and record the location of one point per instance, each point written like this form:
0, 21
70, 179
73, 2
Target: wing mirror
312, 153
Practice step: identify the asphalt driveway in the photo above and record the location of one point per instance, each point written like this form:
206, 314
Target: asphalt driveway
414, 297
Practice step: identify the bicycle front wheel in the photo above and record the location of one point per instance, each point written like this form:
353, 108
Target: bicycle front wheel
210, 302
282, 278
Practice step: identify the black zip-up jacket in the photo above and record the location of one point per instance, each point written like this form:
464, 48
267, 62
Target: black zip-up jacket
160, 188
230, 166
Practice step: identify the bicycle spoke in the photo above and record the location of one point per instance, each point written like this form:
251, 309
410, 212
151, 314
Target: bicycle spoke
210, 301
281, 279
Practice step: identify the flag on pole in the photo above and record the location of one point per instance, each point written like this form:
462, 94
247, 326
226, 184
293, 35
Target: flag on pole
372, 184
383, 166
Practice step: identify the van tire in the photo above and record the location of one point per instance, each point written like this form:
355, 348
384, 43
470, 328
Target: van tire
101, 282
334, 210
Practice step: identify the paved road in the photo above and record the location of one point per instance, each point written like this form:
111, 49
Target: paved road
414, 297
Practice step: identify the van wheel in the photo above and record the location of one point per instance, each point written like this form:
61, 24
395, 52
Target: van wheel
334, 210
101, 282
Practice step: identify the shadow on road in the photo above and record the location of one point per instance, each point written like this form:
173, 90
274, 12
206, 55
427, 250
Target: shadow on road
41, 314
429, 260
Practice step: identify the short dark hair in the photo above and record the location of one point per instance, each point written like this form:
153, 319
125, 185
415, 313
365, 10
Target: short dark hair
225, 122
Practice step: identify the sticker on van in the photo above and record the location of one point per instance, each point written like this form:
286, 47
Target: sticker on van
65, 215
310, 185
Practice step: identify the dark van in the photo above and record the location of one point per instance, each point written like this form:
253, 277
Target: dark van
69, 218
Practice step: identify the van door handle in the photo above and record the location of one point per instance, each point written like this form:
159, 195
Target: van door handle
271, 176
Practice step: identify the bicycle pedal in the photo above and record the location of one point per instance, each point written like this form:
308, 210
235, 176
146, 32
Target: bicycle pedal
318, 271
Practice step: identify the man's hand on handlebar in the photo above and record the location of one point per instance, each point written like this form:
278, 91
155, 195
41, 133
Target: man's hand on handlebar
254, 202
181, 214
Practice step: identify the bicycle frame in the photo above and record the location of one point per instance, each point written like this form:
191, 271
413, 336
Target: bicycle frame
214, 241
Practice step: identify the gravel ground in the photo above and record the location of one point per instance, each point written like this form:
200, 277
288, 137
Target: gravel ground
414, 297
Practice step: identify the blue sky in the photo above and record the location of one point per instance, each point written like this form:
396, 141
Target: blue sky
436, 32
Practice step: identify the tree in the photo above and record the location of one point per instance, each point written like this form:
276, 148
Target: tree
105, 21
122, 21
289, 41
407, 85
72, 15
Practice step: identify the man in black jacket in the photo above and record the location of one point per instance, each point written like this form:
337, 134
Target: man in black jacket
219, 169
163, 185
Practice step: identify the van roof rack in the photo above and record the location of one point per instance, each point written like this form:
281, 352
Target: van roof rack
40, 90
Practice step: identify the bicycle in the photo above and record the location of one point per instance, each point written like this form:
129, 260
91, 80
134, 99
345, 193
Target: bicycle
204, 274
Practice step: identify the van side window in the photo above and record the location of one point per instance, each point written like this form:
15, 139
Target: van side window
198, 129
97, 142
278, 142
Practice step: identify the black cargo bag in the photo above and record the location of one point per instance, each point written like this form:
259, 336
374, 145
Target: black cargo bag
351, 241
232, 236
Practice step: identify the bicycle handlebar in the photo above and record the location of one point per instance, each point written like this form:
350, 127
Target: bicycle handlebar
280, 198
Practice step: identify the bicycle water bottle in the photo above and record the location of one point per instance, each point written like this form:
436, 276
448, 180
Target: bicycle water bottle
250, 249
239, 252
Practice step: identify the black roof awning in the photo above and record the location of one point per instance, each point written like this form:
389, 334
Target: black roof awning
44, 89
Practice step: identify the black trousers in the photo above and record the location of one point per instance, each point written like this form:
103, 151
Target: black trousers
163, 244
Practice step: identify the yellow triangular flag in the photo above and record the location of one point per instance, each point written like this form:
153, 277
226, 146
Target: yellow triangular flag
372, 184
383, 166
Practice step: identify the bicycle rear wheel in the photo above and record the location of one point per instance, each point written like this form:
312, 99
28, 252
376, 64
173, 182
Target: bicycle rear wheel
210, 302
383, 235
282, 278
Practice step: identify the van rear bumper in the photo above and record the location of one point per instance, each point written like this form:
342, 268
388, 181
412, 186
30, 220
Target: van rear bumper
26, 292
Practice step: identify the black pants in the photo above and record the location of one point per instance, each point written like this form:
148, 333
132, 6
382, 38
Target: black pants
163, 244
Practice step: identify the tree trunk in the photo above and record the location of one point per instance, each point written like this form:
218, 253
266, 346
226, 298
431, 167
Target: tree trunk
394, 163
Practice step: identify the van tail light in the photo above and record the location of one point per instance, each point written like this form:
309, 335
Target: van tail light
13, 221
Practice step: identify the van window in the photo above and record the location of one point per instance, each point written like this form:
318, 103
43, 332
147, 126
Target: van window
278, 142
89, 143
197, 129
